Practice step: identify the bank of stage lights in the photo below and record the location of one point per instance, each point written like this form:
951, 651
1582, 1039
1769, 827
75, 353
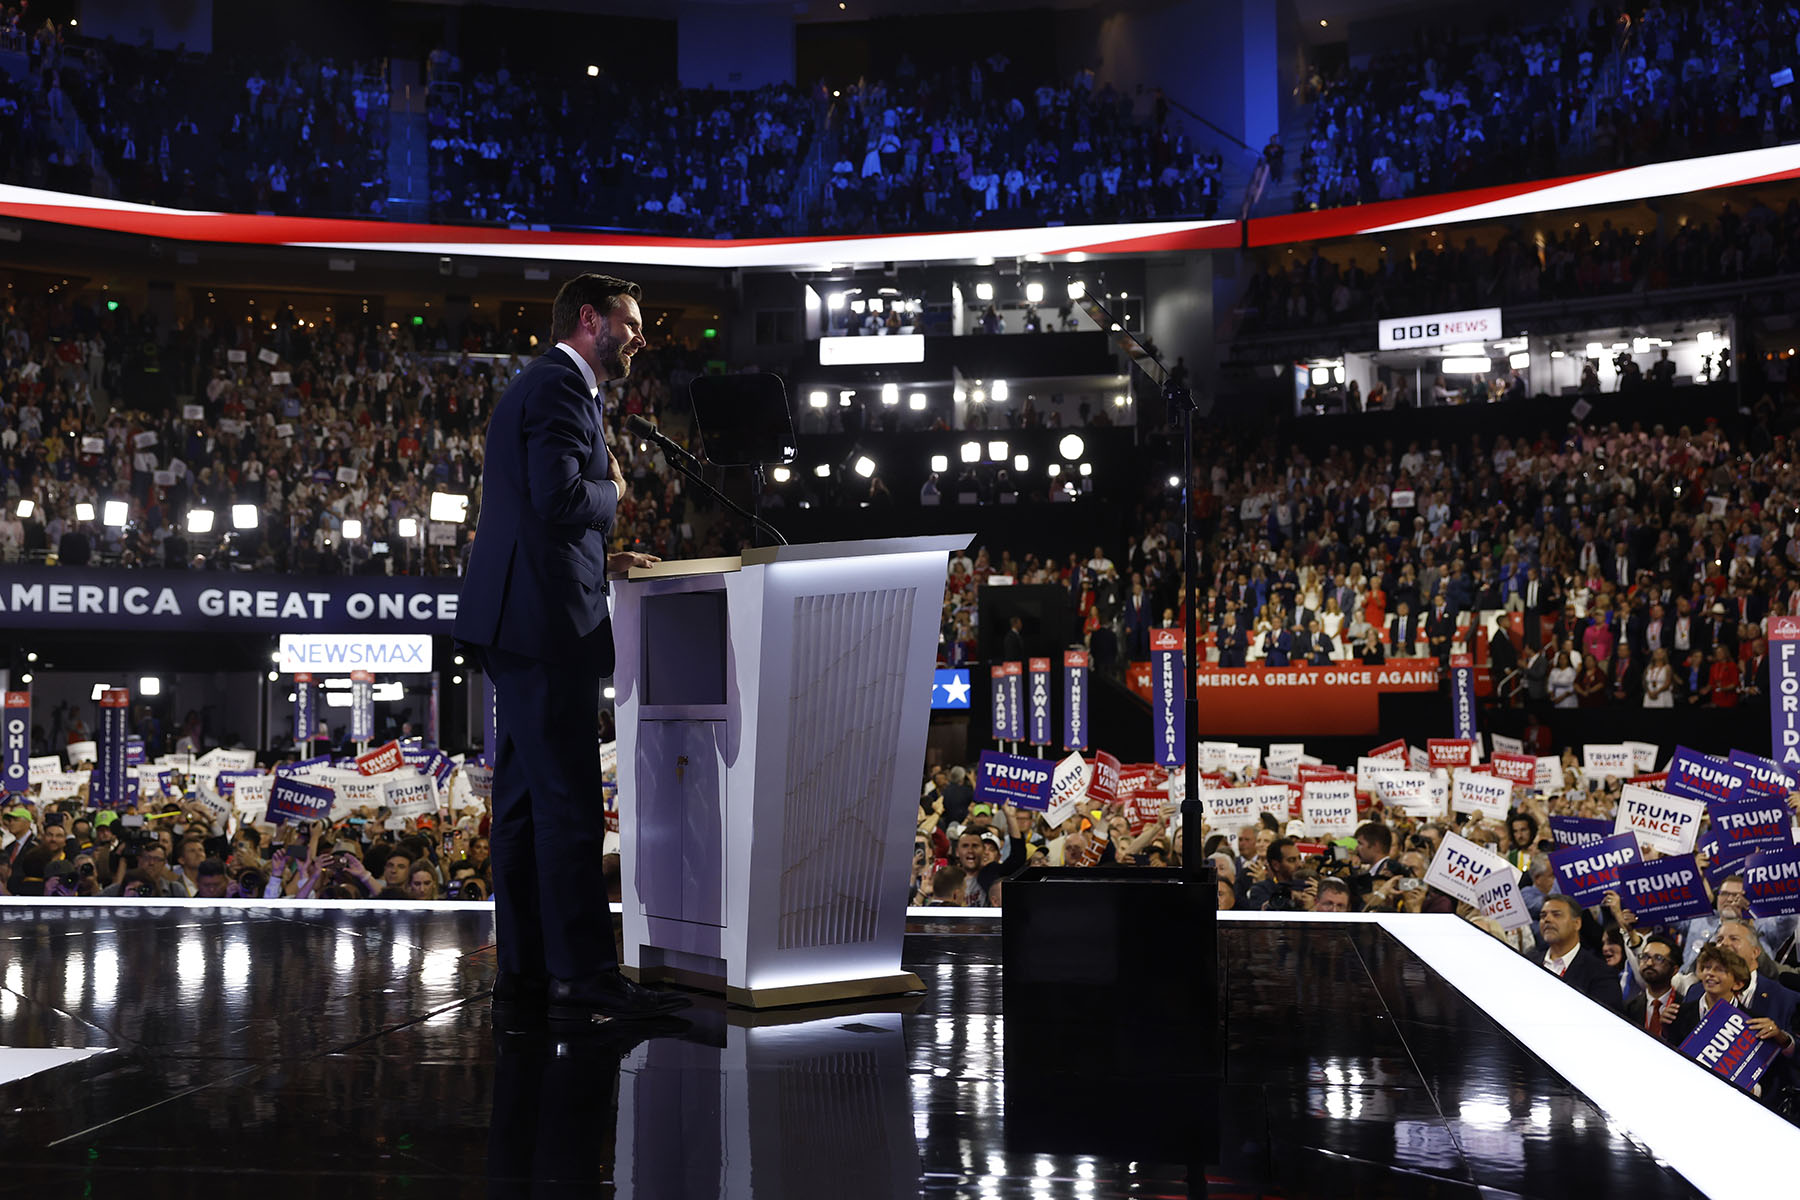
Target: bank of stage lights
447, 507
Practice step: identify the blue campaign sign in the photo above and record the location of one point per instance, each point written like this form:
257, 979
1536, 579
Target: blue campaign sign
292, 800
950, 687
1772, 881
1578, 833
1587, 874
1725, 1044
1015, 780
1700, 776
1664, 890
1762, 776
1743, 826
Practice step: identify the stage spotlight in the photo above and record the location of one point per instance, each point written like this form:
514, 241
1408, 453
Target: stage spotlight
84, 511
1077, 290
593, 71
984, 291
1001, 391
864, 466
971, 452
890, 395
244, 516
940, 463
834, 301
1055, 470
916, 402
818, 399
781, 474
1087, 468
1021, 463
25, 509
116, 513
997, 451
25, 678
352, 529
409, 527
149, 685
822, 471
1034, 293
1071, 446
200, 520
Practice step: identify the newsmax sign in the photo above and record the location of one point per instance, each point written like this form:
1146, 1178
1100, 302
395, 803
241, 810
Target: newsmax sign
159, 601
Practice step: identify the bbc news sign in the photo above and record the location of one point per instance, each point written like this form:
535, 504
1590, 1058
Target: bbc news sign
199, 601
1440, 329
389, 653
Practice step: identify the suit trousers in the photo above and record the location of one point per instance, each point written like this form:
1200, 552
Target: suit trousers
549, 827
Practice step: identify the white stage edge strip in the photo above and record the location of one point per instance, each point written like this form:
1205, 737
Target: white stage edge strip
17, 1064
1678, 1110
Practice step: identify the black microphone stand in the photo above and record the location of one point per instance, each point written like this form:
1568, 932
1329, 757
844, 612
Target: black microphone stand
689, 466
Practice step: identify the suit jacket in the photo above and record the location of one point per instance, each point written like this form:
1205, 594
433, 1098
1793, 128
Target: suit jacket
536, 580
1403, 633
1590, 976
1636, 1008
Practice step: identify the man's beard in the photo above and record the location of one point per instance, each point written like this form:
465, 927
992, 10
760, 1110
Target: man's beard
610, 354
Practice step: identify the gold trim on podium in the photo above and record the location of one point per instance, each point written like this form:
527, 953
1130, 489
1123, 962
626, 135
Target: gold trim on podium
807, 993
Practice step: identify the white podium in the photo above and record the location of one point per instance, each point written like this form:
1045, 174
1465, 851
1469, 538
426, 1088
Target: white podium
771, 721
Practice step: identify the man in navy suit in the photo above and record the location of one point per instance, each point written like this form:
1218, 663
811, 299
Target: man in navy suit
534, 607
1579, 966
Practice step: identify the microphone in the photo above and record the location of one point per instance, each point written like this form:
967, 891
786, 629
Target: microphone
688, 465
668, 445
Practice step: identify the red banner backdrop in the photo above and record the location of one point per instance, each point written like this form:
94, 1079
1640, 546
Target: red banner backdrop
1344, 698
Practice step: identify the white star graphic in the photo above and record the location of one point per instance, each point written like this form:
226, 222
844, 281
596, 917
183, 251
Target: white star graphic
956, 691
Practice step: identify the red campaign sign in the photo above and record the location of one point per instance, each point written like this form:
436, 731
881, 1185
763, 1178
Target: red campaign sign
1310, 848
1395, 749
1520, 768
1165, 639
1450, 752
1145, 809
1104, 787
380, 760
1486, 769
1650, 781
17, 699
115, 698
1784, 629
1041, 665
1310, 772
1075, 658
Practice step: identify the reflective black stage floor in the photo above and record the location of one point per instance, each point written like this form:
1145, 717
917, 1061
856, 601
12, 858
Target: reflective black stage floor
282, 1052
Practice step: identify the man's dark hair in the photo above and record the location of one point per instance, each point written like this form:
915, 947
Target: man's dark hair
947, 882
1531, 821
1668, 945
1331, 883
249, 833
211, 866
1273, 853
1568, 902
601, 291
1377, 835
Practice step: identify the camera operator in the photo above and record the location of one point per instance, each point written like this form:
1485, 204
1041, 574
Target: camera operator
1285, 889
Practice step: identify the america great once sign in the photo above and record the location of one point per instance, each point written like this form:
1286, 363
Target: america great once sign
1343, 698
216, 601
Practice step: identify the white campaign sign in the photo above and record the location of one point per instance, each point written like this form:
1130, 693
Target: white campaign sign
1661, 821
1242, 760
1501, 744
63, 785
412, 797
251, 796
39, 769
1283, 758
1599, 761
1459, 867
1499, 899
1489, 795
1068, 788
228, 760
1643, 756
1409, 792
1329, 807
1549, 774
1212, 754
83, 752
1371, 771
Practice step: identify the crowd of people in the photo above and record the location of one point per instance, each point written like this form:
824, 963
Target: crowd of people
978, 145
521, 146
1602, 566
314, 422
1661, 976
1591, 91
1743, 241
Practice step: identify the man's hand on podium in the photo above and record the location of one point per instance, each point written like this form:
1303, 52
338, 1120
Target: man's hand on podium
618, 564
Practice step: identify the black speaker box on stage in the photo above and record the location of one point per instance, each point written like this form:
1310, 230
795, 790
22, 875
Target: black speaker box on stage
1110, 981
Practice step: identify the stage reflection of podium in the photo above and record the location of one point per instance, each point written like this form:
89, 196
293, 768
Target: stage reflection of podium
820, 1109
772, 712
